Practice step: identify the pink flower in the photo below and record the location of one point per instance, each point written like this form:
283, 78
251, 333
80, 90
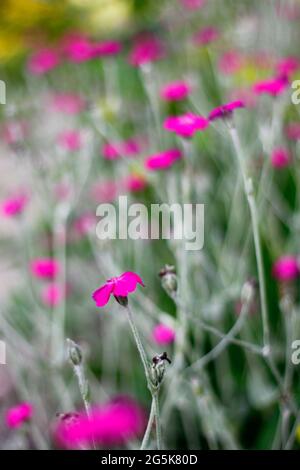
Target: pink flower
119, 286
280, 158
175, 91
163, 335
14, 132
293, 131
127, 148
245, 95
287, 66
19, 414
286, 268
14, 205
106, 191
68, 103
47, 268
135, 183
70, 140
206, 36
186, 125
106, 48
78, 48
43, 61
53, 294
273, 86
230, 62
225, 110
113, 423
83, 224
147, 48
163, 160
193, 4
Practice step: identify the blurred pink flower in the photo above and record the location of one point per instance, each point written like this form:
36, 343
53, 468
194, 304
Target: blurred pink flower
193, 4
126, 148
53, 294
68, 103
287, 66
19, 414
280, 157
175, 91
43, 61
206, 36
286, 268
83, 224
225, 110
273, 86
14, 205
135, 183
293, 131
47, 268
14, 132
119, 286
70, 140
186, 125
106, 48
163, 160
114, 423
163, 335
78, 48
147, 48
230, 62
245, 95
105, 191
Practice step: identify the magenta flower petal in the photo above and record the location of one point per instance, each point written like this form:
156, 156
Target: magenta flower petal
101, 296
186, 125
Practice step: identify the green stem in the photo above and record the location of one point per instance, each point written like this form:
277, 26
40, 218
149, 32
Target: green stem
138, 341
149, 426
157, 422
248, 187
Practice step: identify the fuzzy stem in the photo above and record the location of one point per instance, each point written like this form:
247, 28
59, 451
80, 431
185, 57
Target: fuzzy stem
248, 188
149, 426
157, 421
138, 341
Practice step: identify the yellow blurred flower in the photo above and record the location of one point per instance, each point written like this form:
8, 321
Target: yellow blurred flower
11, 44
24, 14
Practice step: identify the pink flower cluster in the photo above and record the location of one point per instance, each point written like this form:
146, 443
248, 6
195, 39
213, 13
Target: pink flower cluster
111, 424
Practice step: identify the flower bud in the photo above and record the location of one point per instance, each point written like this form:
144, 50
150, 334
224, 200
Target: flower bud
74, 352
169, 279
121, 300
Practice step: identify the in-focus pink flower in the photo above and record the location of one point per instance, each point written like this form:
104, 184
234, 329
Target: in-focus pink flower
78, 48
106, 48
230, 62
126, 148
163, 160
53, 294
273, 86
206, 36
147, 48
287, 66
225, 110
19, 414
43, 61
105, 191
286, 268
119, 286
163, 334
280, 157
70, 140
14, 205
293, 131
135, 183
111, 424
193, 4
68, 103
175, 91
186, 125
47, 268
